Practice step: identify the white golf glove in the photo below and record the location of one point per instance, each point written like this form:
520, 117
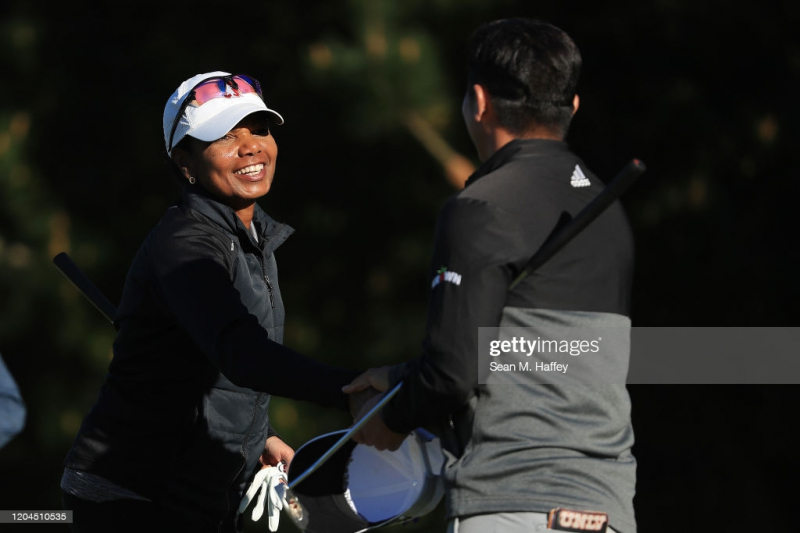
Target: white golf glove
271, 481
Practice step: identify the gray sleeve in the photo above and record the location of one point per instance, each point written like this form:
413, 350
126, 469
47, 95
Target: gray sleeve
12, 409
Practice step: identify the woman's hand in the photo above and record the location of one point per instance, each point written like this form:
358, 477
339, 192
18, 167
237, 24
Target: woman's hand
276, 451
377, 378
366, 386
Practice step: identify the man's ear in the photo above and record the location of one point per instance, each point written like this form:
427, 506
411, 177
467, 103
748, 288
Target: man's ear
576, 102
480, 99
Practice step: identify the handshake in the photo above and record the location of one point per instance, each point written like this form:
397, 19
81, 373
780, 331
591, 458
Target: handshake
363, 393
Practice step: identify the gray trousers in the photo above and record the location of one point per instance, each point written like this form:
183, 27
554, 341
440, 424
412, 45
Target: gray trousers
502, 523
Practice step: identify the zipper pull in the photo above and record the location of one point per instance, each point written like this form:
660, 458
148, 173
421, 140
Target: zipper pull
270, 289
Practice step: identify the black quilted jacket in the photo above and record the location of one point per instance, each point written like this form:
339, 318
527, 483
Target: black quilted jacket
182, 416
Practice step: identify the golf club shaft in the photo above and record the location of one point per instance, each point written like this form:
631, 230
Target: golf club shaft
74, 274
346, 437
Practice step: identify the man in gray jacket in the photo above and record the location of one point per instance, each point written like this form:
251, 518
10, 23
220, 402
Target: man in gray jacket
527, 455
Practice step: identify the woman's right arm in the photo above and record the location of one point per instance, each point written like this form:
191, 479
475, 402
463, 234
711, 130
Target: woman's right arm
196, 287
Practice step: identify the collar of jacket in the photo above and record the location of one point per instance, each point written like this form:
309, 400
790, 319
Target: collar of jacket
515, 149
271, 234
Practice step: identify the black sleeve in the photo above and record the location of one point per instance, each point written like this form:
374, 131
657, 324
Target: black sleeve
470, 275
198, 292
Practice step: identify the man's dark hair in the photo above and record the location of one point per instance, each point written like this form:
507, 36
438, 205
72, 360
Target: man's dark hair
530, 69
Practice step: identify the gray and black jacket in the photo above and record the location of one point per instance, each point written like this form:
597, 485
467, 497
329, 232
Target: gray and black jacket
182, 416
525, 447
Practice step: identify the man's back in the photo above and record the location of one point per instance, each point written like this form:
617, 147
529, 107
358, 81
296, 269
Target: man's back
534, 182
531, 446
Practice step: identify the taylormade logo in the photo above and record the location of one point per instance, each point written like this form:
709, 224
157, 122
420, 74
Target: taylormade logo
445, 275
579, 179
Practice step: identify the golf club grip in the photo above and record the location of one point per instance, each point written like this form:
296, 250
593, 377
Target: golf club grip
74, 274
613, 190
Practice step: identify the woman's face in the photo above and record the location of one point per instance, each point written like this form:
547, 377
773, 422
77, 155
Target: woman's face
238, 168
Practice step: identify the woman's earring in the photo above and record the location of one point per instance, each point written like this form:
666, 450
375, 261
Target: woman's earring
192, 180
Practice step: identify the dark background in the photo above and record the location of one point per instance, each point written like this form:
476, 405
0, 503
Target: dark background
703, 92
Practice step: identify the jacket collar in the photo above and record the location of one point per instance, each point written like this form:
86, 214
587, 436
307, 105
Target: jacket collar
270, 233
516, 149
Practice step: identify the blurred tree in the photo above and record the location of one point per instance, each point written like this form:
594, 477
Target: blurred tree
392, 77
49, 342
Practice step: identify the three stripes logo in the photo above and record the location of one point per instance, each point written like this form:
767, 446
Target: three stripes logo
578, 178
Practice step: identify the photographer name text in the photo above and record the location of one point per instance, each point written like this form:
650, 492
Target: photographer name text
525, 366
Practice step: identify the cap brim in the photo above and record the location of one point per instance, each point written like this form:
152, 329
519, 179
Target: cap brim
229, 114
358, 488
384, 484
322, 494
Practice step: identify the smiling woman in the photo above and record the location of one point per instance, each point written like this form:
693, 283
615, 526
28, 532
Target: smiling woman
218, 125
237, 168
180, 426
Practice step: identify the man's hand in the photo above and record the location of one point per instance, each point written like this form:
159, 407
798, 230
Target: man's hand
375, 433
357, 400
275, 452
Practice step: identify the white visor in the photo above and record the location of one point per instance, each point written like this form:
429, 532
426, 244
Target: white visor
213, 119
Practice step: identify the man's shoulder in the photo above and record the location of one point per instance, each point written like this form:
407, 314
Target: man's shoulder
542, 182
477, 223
466, 206
525, 173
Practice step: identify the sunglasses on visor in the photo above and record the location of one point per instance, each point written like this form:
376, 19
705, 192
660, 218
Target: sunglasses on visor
219, 87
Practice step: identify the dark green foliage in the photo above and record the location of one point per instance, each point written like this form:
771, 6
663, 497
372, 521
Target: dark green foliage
703, 92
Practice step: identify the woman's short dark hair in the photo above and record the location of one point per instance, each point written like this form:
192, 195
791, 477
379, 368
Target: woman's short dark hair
530, 69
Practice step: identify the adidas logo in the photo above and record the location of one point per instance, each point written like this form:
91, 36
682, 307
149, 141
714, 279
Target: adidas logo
578, 178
